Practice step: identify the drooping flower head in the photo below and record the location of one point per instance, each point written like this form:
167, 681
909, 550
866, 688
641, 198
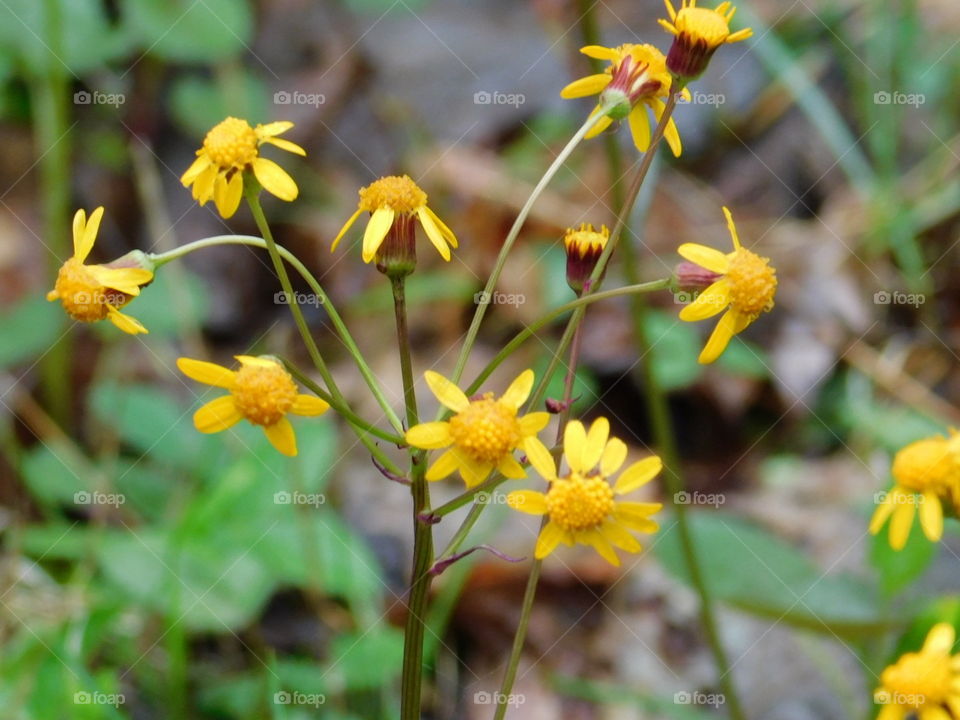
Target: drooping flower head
925, 473
925, 684
698, 32
229, 150
261, 392
635, 80
483, 433
746, 287
90, 293
395, 202
581, 504
583, 246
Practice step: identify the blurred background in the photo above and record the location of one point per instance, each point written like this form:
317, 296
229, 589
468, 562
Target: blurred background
148, 571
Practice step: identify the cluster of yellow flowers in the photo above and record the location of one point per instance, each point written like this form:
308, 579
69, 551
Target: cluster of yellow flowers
924, 684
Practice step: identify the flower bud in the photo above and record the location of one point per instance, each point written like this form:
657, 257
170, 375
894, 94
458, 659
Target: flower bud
584, 248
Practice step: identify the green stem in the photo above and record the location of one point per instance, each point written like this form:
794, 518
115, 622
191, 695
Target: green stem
322, 298
512, 237
412, 672
49, 97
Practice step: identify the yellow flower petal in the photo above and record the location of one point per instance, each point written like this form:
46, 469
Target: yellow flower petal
940, 639
619, 537
528, 501
275, 179
473, 472
79, 223
589, 85
446, 392
636, 516
638, 474
227, 194
574, 439
443, 465
601, 125
550, 537
900, 525
125, 280
377, 229
447, 232
129, 325
203, 185
196, 168
639, 127
706, 257
532, 423
670, 132
309, 405
613, 456
732, 229
274, 128
429, 435
883, 511
712, 301
540, 458
510, 468
90, 231
595, 443
217, 415
207, 372
282, 437
931, 516
719, 338
53, 295
600, 544
433, 233
343, 230
599, 52
286, 145
519, 390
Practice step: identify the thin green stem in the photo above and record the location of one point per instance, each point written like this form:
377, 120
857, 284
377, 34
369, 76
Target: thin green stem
412, 673
318, 291
512, 237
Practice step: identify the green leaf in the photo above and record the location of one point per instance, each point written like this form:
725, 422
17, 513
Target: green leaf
745, 359
198, 103
675, 347
898, 569
172, 303
753, 570
30, 329
366, 660
189, 31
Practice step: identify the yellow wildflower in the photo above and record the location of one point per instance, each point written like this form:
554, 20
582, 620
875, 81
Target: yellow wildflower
93, 292
394, 202
636, 75
229, 150
483, 433
581, 506
583, 246
261, 392
924, 472
745, 289
698, 32
924, 685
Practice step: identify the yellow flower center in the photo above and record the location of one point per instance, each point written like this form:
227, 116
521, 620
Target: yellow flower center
487, 430
231, 144
926, 464
397, 192
753, 283
83, 298
702, 25
263, 393
586, 239
918, 679
577, 502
